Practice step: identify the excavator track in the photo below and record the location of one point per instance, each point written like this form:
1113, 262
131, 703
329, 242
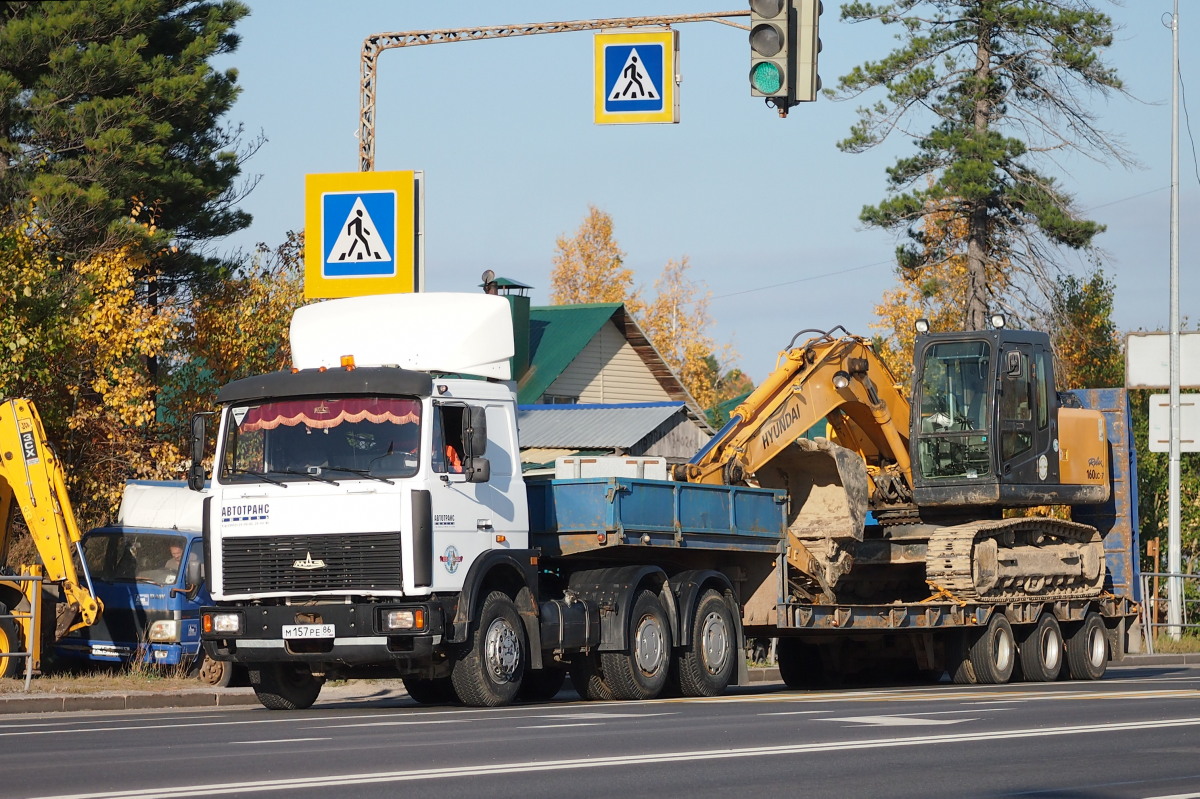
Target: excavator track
1006, 559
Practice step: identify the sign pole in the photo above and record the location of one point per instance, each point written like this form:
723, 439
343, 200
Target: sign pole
1175, 618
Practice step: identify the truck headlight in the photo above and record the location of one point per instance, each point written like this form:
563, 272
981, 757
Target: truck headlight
229, 623
403, 619
164, 631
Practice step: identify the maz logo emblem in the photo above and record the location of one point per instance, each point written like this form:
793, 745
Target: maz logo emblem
308, 564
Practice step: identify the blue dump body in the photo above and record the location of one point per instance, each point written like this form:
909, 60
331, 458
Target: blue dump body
131, 576
588, 514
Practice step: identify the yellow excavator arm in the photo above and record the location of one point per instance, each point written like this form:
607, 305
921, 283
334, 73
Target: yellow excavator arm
32, 479
836, 378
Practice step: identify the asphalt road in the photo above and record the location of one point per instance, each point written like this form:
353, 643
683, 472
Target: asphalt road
1134, 734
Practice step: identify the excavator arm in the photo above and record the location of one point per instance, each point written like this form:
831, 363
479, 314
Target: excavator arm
32, 479
831, 482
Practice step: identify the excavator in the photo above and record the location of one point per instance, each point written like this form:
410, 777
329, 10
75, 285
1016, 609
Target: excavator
38, 602
943, 496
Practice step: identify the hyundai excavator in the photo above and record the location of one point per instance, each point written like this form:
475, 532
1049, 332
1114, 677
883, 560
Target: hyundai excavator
942, 479
45, 601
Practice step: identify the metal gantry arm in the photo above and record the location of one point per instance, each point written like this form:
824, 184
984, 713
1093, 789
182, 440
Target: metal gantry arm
376, 43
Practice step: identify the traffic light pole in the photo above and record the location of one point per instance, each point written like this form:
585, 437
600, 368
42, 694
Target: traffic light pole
376, 43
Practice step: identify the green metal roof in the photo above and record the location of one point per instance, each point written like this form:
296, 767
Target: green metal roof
557, 334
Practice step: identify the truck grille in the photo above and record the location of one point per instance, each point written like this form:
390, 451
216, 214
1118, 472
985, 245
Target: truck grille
359, 562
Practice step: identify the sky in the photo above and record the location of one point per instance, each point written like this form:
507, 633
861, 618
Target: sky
765, 209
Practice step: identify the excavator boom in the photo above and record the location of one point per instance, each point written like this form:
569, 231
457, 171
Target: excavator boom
32, 479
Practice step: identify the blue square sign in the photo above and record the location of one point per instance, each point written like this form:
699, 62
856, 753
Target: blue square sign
633, 77
358, 234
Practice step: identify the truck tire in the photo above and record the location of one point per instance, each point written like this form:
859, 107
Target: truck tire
958, 658
706, 667
426, 691
641, 672
214, 673
1041, 650
799, 663
10, 641
542, 685
285, 686
1087, 649
587, 679
489, 673
993, 652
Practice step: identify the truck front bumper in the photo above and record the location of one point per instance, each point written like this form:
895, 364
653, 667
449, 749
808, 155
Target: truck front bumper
359, 635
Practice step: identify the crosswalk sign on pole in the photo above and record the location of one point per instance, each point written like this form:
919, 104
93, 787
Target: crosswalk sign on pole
636, 77
362, 234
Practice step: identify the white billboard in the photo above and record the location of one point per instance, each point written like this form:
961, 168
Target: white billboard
1189, 422
1148, 360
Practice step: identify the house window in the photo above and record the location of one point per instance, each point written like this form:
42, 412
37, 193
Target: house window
559, 399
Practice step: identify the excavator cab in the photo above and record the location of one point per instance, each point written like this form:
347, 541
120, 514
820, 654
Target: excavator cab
987, 425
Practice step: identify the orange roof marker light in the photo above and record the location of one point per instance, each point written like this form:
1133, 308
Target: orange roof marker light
348, 362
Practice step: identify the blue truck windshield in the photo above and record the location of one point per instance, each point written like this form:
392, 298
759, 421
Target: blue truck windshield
132, 557
323, 438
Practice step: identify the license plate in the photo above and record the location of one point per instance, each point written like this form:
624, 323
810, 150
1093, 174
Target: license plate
308, 631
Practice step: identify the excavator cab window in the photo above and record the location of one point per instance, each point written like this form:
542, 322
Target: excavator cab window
954, 401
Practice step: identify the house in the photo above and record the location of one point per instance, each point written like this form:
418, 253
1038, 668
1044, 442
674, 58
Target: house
589, 381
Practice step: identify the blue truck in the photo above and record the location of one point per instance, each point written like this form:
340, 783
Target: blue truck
146, 569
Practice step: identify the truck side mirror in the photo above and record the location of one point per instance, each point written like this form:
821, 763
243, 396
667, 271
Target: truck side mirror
196, 475
475, 431
479, 470
193, 576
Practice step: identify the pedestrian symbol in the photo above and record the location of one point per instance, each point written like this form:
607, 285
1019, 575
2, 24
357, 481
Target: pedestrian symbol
359, 233
358, 240
636, 77
634, 83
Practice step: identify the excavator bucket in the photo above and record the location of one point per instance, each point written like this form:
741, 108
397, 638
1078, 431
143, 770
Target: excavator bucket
827, 487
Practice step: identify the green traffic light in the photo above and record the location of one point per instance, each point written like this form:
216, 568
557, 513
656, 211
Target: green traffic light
767, 78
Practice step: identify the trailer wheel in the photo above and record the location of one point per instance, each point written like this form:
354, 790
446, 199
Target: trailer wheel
587, 679
542, 685
285, 686
958, 658
993, 652
641, 672
1042, 650
426, 691
10, 641
1087, 649
489, 674
799, 663
706, 667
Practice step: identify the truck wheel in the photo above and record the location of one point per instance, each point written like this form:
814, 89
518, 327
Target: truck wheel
799, 663
706, 667
1087, 649
285, 686
993, 652
587, 679
542, 685
216, 673
958, 658
641, 672
489, 674
426, 691
10, 641
1042, 650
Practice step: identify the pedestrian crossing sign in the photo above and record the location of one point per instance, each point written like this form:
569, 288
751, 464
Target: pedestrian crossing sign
636, 77
361, 234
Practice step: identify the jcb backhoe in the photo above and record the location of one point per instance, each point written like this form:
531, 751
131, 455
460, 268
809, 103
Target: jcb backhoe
986, 432
34, 612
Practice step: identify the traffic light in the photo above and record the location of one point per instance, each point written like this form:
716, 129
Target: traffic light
783, 51
772, 57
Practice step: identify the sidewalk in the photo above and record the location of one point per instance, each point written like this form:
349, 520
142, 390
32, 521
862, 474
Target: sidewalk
347, 693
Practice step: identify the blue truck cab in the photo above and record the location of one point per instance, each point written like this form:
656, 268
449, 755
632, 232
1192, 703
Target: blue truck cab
147, 571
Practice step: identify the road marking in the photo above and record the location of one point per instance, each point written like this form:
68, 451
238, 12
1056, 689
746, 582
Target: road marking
555, 726
896, 721
338, 782
794, 712
281, 741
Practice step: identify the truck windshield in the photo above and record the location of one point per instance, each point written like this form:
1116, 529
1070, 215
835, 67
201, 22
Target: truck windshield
134, 557
954, 400
325, 439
